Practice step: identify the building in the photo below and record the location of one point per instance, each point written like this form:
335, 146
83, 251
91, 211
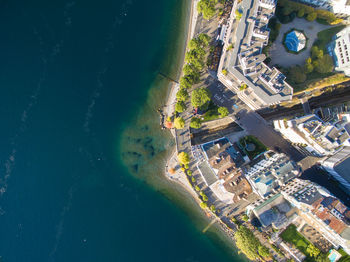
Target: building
246, 74
339, 7
295, 41
273, 211
339, 49
338, 166
320, 210
314, 135
221, 171
269, 172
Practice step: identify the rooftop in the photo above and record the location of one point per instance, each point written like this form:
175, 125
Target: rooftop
270, 171
246, 61
295, 41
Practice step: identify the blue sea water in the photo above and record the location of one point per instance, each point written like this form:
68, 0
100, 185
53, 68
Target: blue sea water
81, 153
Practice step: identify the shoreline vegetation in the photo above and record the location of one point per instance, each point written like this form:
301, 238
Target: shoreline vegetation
242, 238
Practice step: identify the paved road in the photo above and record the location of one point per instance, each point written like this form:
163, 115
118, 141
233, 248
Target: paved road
257, 126
250, 120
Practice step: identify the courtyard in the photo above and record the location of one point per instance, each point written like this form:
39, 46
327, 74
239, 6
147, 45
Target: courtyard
278, 53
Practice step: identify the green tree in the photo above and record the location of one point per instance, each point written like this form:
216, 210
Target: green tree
263, 251
197, 188
287, 10
204, 39
203, 205
207, 8
180, 107
182, 95
184, 158
185, 82
212, 208
308, 67
205, 198
311, 17
297, 74
312, 250
245, 218
195, 122
247, 242
301, 12
223, 111
224, 72
189, 70
316, 52
200, 96
325, 64
243, 87
194, 44
179, 123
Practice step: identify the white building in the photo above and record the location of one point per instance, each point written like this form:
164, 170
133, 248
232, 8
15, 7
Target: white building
269, 172
321, 210
255, 83
338, 166
317, 137
340, 50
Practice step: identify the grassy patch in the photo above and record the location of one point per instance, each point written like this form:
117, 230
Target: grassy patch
259, 147
211, 114
292, 236
325, 36
345, 257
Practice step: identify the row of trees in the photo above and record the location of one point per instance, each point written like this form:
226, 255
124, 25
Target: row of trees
290, 9
194, 58
250, 245
207, 8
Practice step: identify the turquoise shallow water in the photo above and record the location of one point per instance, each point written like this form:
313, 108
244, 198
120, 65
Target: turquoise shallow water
80, 85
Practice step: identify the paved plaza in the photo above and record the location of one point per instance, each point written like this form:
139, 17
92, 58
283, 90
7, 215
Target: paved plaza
278, 53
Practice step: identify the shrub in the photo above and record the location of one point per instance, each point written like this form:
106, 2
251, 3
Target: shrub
223, 111
203, 205
182, 94
179, 123
180, 107
311, 17
195, 122
183, 158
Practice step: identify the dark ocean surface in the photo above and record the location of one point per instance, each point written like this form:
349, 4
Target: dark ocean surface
81, 152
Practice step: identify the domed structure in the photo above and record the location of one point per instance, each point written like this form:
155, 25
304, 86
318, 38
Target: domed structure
295, 41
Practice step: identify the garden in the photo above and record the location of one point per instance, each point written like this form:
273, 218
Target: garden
312, 253
302, 69
252, 146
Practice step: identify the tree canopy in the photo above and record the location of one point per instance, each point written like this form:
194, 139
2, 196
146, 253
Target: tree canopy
296, 74
182, 95
207, 8
184, 158
223, 111
325, 64
311, 17
179, 123
249, 244
180, 107
200, 96
195, 122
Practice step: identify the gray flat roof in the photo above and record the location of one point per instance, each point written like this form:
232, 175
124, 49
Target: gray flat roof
243, 31
207, 173
343, 169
